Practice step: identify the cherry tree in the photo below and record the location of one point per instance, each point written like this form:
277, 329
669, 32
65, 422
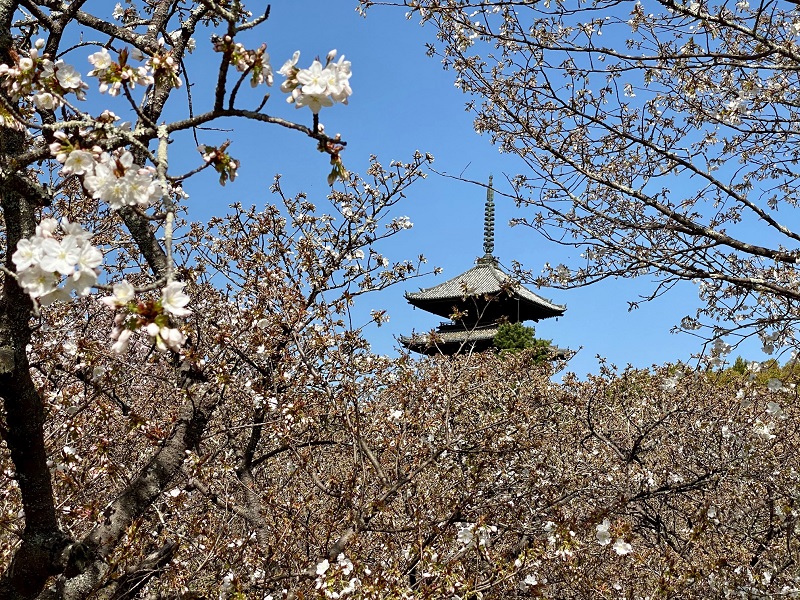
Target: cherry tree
657, 137
126, 332
191, 410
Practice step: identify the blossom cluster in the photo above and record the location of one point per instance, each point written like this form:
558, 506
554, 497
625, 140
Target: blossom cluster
111, 177
329, 574
36, 75
42, 261
112, 75
317, 86
255, 62
471, 534
152, 316
164, 66
223, 163
621, 547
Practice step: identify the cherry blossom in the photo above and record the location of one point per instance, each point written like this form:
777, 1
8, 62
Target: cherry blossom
42, 261
622, 547
317, 86
123, 293
466, 536
603, 536
174, 300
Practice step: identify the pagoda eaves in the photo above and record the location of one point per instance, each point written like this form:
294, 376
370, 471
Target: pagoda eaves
485, 293
478, 301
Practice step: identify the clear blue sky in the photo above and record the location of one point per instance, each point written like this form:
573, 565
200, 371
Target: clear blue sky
403, 101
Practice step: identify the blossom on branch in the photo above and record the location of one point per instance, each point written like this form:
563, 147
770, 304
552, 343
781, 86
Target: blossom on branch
317, 86
174, 301
42, 261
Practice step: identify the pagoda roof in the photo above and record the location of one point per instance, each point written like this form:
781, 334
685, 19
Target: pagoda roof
449, 339
485, 282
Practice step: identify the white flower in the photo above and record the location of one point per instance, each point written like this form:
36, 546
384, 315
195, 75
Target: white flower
774, 409
768, 341
465, 536
775, 385
345, 564
721, 347
313, 79
399, 223
603, 536
670, 384
28, 253
81, 282
104, 185
61, 256
174, 301
313, 101
317, 86
45, 101
323, 567
37, 282
121, 345
67, 76
167, 338
622, 547
123, 293
46, 228
76, 231
79, 162
100, 60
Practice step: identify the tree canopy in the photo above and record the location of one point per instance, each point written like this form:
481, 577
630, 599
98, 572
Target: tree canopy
190, 411
658, 137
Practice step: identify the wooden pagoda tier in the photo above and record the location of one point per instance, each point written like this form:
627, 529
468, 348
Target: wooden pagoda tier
477, 301
486, 294
451, 338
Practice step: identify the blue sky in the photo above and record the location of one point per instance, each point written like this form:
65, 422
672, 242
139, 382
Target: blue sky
403, 101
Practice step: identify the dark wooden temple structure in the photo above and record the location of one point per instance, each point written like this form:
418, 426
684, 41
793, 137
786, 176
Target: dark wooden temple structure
476, 302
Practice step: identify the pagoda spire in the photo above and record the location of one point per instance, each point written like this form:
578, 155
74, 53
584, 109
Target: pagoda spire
488, 222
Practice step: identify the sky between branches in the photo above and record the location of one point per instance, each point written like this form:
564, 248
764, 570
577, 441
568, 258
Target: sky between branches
403, 101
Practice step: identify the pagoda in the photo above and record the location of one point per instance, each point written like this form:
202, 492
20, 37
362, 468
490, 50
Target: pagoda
477, 302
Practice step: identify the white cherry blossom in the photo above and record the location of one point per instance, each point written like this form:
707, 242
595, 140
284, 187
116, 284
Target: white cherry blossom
622, 547
123, 293
603, 536
60, 257
68, 77
28, 253
174, 301
79, 162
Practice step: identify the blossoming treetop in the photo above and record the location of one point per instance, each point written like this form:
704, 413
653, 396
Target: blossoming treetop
105, 224
659, 137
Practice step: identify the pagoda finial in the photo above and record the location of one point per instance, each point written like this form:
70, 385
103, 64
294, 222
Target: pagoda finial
488, 221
